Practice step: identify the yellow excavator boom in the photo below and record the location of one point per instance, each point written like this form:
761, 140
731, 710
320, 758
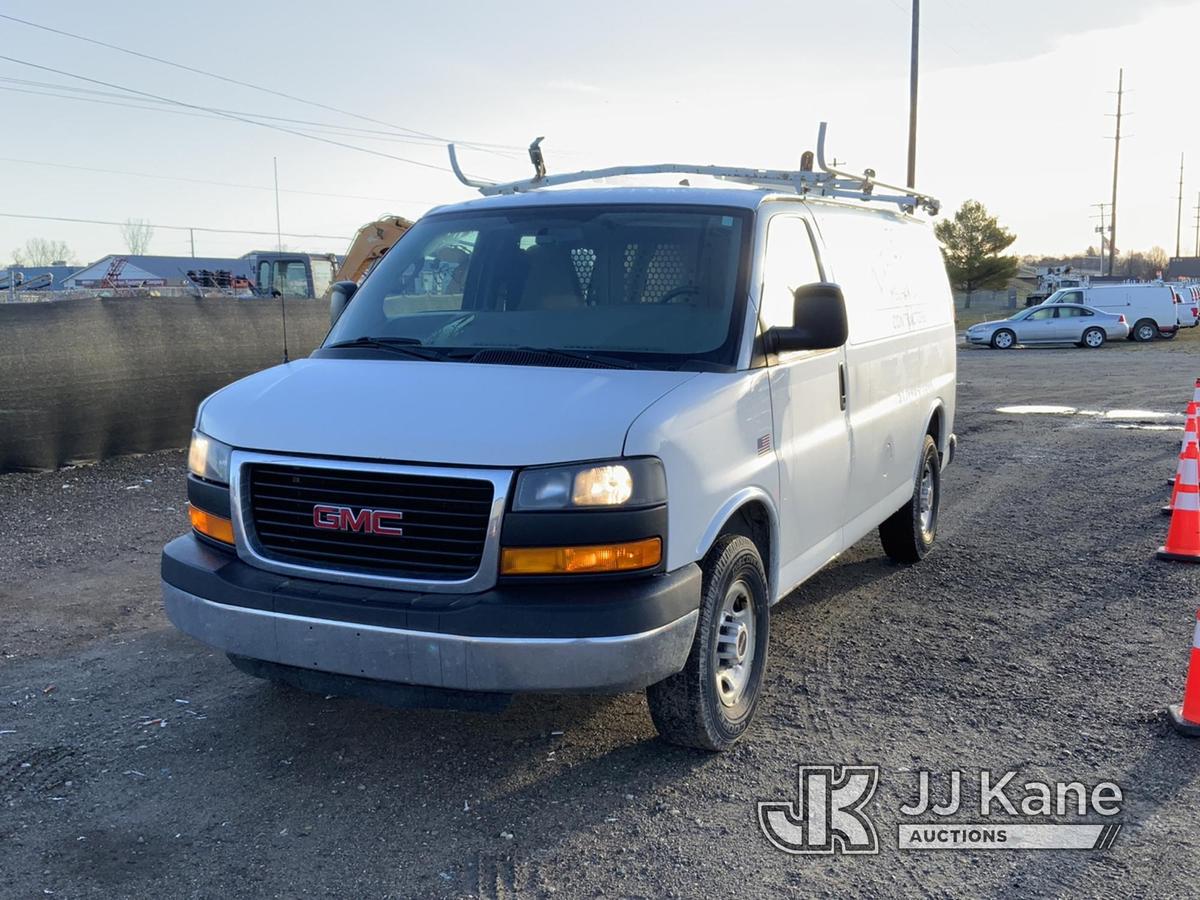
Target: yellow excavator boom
370, 243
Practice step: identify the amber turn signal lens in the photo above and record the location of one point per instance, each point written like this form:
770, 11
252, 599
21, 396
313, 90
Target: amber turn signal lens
211, 526
581, 560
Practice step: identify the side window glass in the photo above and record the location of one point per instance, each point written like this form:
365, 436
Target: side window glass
790, 263
291, 278
322, 274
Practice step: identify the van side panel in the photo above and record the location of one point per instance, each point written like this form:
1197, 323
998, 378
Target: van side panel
707, 432
1135, 302
901, 354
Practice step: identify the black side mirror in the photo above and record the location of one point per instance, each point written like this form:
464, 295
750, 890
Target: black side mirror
818, 321
340, 293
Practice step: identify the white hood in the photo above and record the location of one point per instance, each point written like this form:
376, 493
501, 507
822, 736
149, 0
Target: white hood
434, 412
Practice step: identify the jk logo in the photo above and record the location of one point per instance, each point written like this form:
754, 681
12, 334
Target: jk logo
828, 816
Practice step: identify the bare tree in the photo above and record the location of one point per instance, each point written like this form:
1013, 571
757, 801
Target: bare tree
42, 252
137, 234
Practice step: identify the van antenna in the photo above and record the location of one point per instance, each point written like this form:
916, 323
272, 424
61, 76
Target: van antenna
283, 313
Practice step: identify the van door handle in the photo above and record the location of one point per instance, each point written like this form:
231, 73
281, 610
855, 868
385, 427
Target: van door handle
842, 384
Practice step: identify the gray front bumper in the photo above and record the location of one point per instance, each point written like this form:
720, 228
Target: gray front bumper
510, 664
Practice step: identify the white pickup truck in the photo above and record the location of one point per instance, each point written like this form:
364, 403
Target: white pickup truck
576, 440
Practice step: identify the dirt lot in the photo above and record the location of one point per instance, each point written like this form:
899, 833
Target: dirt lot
1041, 636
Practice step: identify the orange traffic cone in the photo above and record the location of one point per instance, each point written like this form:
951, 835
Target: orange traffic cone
1189, 436
1186, 715
1183, 535
1193, 409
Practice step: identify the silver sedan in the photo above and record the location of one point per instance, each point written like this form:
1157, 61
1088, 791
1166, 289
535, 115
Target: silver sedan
1058, 323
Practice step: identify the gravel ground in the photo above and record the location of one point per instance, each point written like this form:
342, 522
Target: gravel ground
1041, 636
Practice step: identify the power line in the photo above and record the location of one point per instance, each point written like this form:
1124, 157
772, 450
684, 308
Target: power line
236, 118
91, 95
326, 237
227, 79
204, 181
155, 107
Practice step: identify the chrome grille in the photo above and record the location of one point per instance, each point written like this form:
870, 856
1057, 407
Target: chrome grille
444, 520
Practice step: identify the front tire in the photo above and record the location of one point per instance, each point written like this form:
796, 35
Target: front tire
1003, 339
1094, 338
711, 702
908, 534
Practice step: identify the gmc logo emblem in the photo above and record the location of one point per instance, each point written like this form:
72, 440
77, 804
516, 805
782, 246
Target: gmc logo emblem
365, 521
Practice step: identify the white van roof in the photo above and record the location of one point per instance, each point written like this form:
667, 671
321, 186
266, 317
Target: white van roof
742, 198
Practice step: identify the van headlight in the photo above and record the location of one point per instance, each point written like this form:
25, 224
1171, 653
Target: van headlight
624, 483
209, 458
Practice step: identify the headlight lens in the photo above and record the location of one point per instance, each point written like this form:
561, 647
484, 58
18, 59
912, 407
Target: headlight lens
627, 483
208, 458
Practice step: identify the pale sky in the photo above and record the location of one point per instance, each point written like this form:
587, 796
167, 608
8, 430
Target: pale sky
1013, 107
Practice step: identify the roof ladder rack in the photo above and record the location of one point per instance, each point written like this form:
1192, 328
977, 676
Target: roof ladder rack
828, 182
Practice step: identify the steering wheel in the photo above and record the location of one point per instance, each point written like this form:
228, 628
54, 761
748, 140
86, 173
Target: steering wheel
669, 296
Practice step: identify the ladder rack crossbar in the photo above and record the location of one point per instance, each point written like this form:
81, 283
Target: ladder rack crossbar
829, 182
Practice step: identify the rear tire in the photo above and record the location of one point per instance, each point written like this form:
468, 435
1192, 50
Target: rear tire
908, 534
1168, 335
1144, 330
1094, 338
1003, 339
711, 702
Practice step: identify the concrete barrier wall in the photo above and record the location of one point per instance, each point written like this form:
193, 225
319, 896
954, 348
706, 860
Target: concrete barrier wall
87, 379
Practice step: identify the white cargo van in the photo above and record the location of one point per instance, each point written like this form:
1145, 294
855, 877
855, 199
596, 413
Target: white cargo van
1149, 308
1187, 304
578, 440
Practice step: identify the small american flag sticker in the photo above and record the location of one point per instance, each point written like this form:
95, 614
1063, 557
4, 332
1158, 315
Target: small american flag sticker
764, 444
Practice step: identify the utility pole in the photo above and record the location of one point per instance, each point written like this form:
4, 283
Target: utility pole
1179, 211
1102, 231
912, 95
192, 236
279, 228
1198, 225
1112, 241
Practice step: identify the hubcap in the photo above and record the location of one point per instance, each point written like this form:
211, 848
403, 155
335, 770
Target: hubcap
1146, 332
1093, 339
735, 643
1004, 339
925, 501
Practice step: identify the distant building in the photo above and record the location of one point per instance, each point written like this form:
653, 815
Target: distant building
39, 278
1183, 267
155, 271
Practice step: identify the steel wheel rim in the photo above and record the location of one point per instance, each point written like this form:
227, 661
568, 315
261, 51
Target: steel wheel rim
926, 498
1146, 333
1092, 339
736, 647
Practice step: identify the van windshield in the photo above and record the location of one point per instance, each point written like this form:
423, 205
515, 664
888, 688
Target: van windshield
645, 286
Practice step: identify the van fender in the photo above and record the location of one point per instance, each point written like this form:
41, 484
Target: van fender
727, 510
937, 409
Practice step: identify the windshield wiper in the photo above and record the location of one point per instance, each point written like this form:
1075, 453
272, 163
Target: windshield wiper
597, 359
404, 346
